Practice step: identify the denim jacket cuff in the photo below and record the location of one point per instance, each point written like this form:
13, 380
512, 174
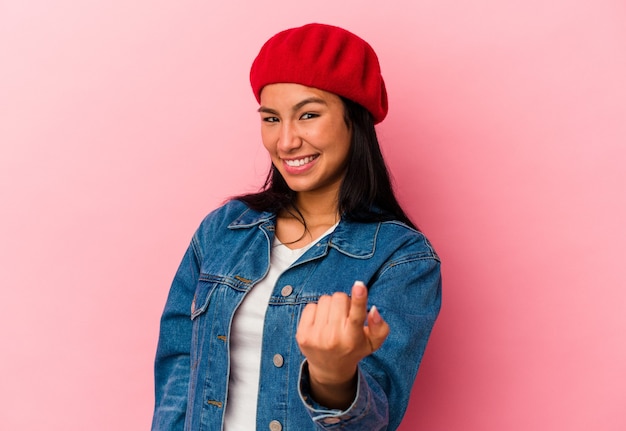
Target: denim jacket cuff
328, 417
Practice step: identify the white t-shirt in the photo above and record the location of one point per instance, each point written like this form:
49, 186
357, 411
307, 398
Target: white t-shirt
246, 340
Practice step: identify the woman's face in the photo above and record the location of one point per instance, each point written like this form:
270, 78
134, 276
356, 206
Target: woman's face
305, 133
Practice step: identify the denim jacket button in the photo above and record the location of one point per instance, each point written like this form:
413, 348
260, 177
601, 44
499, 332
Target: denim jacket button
275, 426
278, 360
286, 291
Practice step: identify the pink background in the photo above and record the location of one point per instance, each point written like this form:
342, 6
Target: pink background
122, 123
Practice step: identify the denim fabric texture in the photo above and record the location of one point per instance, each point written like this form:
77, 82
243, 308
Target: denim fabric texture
228, 255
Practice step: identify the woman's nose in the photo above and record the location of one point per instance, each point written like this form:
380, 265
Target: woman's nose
289, 138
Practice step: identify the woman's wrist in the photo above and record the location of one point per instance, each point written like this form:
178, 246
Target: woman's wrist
331, 390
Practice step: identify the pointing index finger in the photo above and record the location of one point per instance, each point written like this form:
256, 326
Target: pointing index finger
358, 304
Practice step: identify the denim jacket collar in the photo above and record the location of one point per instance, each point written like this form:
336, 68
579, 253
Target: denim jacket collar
354, 239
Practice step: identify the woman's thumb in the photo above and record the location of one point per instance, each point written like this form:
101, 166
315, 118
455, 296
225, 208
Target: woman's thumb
377, 329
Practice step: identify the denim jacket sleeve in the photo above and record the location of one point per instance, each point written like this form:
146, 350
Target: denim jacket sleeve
172, 363
408, 294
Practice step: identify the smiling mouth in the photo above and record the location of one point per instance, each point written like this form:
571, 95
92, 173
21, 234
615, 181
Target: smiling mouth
294, 163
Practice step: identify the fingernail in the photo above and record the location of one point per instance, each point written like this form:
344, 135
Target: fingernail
360, 290
375, 315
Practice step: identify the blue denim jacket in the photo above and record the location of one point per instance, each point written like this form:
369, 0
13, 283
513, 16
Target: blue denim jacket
228, 255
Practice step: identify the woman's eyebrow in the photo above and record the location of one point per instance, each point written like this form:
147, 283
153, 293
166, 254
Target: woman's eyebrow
308, 100
296, 107
267, 110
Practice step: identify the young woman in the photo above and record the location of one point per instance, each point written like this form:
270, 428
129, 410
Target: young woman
307, 305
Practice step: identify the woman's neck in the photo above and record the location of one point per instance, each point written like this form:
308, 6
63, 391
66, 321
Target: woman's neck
312, 216
318, 208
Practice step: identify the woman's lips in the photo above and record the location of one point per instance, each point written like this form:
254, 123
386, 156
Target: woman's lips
299, 165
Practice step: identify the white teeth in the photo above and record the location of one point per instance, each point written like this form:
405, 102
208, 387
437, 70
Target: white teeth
299, 162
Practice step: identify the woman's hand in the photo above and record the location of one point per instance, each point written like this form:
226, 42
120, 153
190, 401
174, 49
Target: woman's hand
333, 337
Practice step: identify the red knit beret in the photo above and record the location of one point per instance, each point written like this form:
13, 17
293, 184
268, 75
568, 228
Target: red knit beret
325, 57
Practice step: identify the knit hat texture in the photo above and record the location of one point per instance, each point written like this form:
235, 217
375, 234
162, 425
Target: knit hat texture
325, 57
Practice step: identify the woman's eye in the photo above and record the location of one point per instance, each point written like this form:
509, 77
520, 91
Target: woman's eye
270, 119
308, 116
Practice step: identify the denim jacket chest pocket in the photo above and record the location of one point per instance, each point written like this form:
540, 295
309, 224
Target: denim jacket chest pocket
215, 299
333, 272
210, 286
